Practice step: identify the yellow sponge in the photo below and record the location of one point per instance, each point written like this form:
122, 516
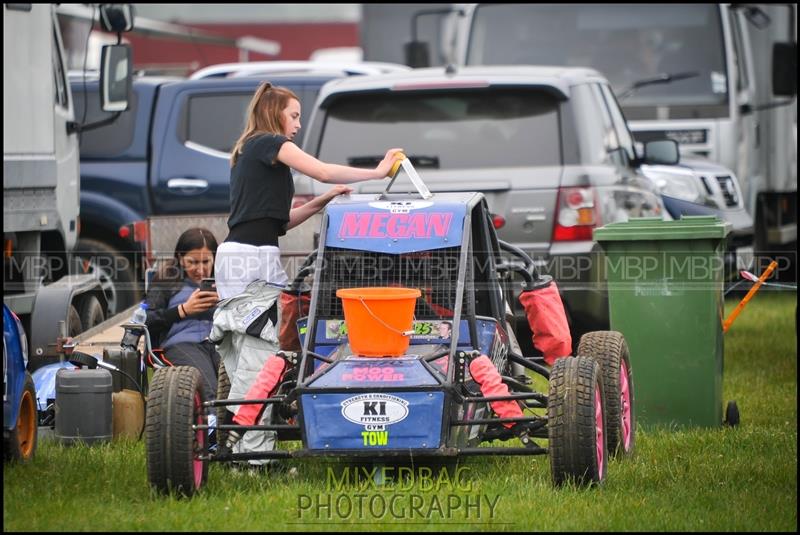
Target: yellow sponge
396, 165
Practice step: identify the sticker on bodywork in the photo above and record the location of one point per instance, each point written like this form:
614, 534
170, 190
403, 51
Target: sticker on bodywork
375, 409
395, 227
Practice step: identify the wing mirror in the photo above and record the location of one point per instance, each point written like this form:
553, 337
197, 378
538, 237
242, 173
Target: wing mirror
661, 152
115, 78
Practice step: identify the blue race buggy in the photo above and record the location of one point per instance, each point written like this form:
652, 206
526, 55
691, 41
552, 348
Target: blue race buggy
20, 416
424, 403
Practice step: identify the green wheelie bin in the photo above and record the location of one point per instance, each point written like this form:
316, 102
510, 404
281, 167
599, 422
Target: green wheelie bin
665, 294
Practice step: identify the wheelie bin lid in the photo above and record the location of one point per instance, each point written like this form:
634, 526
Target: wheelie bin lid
654, 228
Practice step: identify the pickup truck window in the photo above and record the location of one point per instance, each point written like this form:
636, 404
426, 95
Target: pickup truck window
215, 121
454, 130
110, 141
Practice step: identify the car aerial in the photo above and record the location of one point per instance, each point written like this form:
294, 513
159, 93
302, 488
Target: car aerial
547, 146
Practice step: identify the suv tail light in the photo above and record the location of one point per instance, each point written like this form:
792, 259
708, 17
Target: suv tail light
577, 214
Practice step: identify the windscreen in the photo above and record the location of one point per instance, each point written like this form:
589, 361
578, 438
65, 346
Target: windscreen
452, 129
625, 42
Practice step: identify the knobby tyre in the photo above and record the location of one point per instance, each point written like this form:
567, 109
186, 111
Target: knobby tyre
610, 350
576, 422
224, 416
174, 405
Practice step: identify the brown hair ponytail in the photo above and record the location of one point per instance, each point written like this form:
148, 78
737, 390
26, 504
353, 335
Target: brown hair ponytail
263, 115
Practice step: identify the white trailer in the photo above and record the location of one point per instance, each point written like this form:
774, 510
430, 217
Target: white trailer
41, 180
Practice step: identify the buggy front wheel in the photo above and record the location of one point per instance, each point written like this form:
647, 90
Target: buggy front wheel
576, 422
610, 349
174, 406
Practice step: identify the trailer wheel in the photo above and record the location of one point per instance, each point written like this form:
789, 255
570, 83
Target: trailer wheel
223, 414
21, 442
116, 273
610, 350
174, 405
74, 323
576, 422
91, 312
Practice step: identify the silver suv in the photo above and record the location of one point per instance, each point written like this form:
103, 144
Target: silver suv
548, 146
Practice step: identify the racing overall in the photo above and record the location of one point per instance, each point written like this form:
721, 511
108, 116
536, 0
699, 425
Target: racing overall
245, 332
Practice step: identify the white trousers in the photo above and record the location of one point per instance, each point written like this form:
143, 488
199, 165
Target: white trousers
238, 264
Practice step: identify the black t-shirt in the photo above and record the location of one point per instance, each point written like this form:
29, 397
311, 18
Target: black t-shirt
258, 232
261, 189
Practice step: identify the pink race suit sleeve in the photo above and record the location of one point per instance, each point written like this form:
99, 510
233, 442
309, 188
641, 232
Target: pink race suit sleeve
487, 376
548, 322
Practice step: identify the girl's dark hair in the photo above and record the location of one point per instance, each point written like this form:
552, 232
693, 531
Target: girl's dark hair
194, 238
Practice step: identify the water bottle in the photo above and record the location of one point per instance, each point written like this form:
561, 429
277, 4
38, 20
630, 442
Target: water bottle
131, 338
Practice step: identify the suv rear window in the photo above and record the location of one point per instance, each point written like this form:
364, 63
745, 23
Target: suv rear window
456, 130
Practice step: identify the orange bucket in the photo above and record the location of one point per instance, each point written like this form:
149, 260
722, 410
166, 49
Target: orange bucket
378, 319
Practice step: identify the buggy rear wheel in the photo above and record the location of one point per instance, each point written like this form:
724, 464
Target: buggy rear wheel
610, 350
174, 405
576, 422
224, 416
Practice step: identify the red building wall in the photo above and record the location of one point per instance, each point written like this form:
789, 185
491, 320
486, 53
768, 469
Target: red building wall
298, 41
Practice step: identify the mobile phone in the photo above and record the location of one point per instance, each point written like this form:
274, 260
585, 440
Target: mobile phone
207, 285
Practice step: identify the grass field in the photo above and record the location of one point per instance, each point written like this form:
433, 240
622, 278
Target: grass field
723, 479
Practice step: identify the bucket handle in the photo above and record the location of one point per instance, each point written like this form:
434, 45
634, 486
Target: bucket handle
402, 333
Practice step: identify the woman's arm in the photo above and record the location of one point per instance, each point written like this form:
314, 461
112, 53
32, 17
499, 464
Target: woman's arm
301, 213
159, 317
330, 173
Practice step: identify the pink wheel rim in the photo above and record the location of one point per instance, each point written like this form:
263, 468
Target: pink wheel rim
598, 426
625, 406
199, 442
